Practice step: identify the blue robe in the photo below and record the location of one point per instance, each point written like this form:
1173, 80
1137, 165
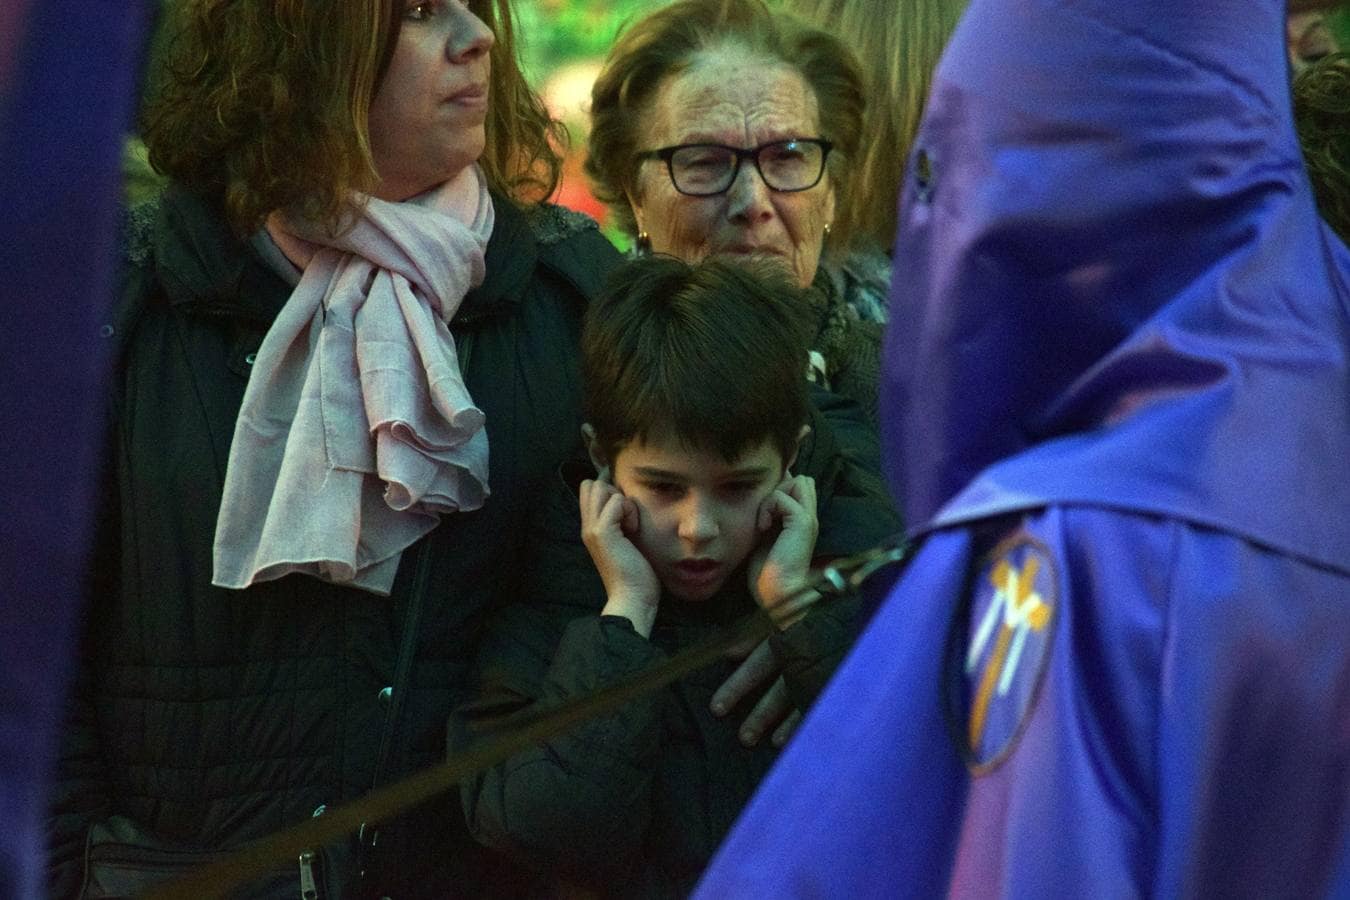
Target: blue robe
1117, 413
68, 74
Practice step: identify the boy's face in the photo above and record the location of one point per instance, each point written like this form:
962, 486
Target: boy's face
697, 512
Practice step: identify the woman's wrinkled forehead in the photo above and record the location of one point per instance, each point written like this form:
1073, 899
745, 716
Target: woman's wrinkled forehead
729, 94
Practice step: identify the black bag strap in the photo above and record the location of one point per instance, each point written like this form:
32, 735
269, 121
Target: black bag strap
215, 879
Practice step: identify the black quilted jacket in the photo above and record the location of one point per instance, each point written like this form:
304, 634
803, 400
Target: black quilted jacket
633, 804
207, 717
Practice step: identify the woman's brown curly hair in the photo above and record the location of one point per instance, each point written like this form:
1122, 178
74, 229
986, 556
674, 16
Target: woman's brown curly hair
264, 104
1322, 119
663, 43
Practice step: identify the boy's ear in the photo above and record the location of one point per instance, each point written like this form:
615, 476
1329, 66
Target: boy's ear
593, 448
801, 436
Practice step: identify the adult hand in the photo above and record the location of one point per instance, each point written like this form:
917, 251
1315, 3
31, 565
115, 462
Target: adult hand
773, 712
609, 520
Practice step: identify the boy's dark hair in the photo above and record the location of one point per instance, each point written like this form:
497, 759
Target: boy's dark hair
713, 353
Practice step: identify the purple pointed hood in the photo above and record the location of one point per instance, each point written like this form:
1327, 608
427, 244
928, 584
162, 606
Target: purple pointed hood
1119, 295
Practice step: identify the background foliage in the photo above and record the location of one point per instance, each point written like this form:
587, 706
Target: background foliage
555, 33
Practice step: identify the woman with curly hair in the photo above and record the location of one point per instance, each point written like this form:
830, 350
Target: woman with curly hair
347, 349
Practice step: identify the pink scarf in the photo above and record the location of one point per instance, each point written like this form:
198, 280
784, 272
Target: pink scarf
356, 431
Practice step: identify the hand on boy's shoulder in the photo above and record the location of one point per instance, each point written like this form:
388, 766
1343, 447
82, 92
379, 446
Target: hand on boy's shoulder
608, 518
787, 519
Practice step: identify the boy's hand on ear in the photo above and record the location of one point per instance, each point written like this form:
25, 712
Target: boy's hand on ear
783, 566
608, 519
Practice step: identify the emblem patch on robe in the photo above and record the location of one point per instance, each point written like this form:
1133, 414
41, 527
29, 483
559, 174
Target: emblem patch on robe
1009, 635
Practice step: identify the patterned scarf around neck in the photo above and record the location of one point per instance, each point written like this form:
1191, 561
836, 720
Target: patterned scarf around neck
356, 431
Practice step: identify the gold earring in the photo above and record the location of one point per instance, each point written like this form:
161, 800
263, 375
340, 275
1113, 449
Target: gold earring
644, 243
827, 229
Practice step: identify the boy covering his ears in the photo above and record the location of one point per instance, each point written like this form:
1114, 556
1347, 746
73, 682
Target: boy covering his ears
696, 408
709, 469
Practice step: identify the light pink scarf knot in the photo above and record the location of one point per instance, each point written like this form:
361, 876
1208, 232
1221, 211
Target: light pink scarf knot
356, 430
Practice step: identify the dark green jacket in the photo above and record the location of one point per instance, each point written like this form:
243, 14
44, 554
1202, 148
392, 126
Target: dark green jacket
634, 804
209, 717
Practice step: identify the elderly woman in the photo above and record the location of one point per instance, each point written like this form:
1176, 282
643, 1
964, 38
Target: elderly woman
720, 128
348, 350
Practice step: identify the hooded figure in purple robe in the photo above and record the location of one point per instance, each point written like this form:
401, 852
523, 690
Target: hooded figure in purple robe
68, 83
1117, 401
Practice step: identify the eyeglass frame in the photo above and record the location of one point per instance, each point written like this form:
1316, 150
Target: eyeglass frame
667, 155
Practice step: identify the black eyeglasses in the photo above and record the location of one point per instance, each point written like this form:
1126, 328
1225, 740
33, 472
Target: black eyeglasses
705, 170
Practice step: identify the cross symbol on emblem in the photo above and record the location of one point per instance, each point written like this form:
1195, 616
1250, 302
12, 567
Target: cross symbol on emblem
1021, 610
